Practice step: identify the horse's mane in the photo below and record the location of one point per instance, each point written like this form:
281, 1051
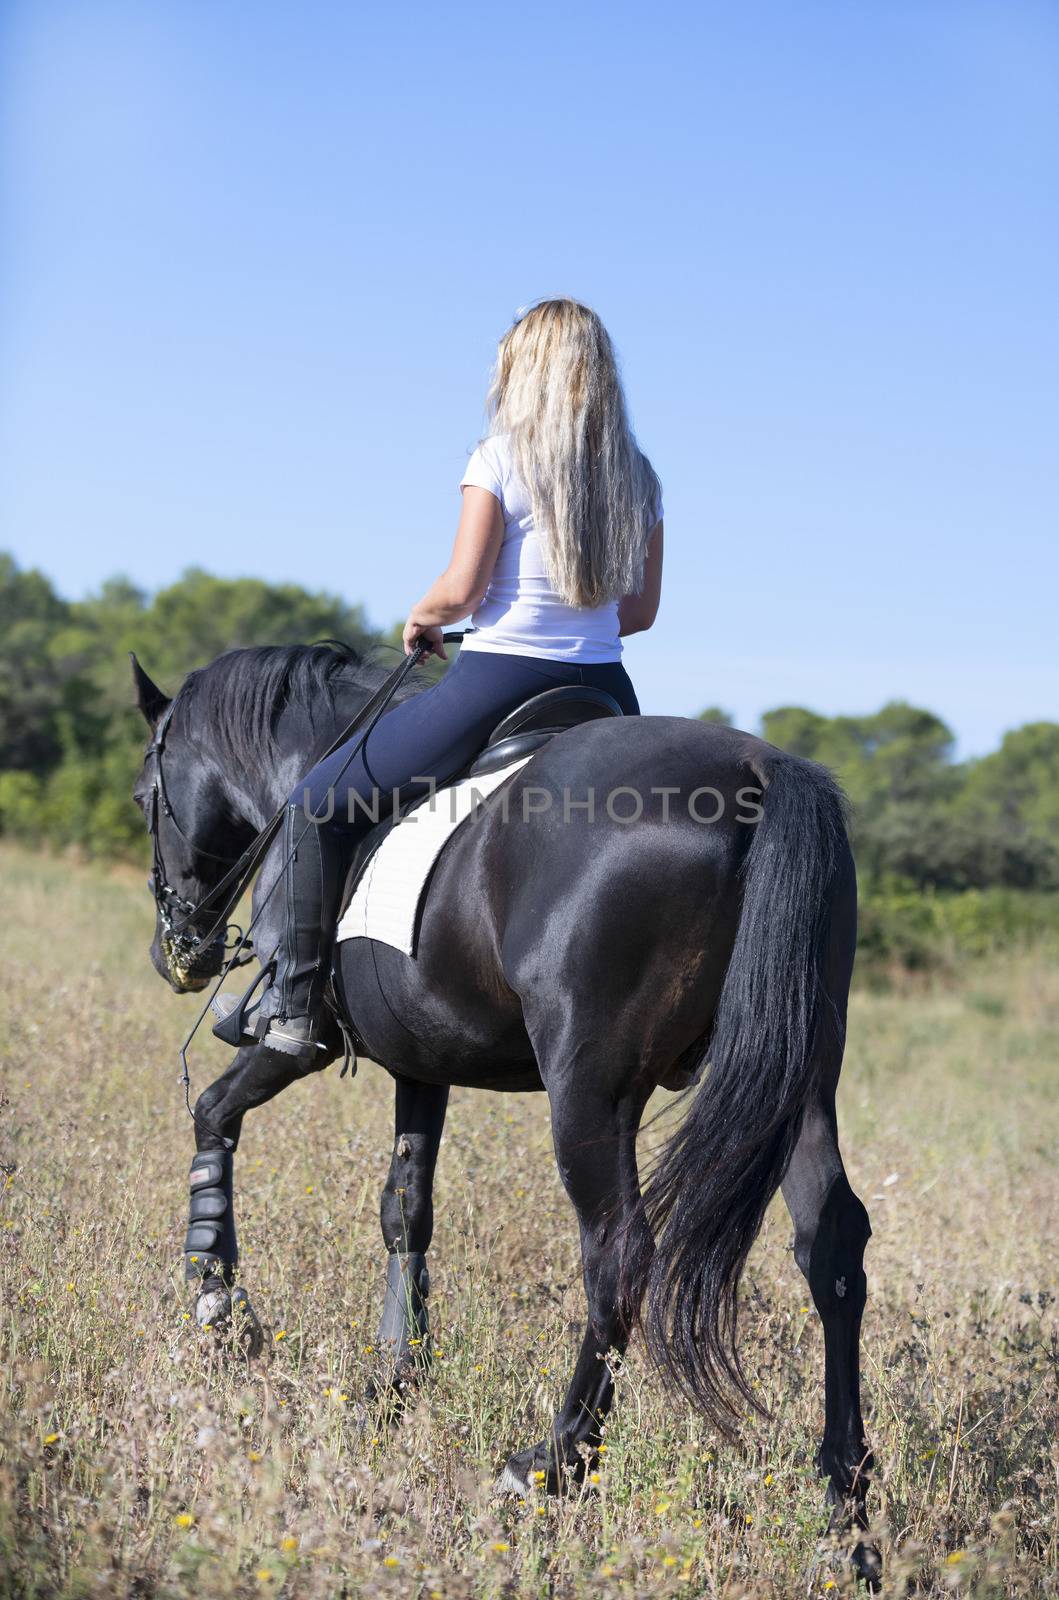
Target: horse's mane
242, 694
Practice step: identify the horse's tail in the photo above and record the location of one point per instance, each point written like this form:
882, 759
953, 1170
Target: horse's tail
713, 1181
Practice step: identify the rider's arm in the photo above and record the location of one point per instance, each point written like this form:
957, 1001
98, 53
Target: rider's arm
636, 612
462, 585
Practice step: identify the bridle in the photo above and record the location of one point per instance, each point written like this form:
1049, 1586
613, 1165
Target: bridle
187, 954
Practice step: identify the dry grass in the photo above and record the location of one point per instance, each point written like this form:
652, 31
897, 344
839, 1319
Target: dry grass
132, 1462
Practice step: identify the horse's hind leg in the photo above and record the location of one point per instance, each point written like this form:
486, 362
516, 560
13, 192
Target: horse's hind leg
407, 1217
595, 1145
831, 1229
211, 1251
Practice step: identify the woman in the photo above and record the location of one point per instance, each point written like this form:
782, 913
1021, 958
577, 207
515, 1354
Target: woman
558, 555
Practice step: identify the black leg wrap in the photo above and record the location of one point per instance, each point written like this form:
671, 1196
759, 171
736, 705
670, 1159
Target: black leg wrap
210, 1247
404, 1311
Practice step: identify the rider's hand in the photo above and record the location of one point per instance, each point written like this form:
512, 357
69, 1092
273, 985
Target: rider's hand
416, 633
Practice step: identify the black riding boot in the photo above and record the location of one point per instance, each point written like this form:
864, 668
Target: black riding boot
298, 1022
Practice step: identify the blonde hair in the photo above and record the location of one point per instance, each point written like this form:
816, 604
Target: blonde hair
557, 395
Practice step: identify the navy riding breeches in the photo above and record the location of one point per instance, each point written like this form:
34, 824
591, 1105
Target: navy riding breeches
435, 733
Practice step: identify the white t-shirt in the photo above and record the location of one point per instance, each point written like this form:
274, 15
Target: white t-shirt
521, 614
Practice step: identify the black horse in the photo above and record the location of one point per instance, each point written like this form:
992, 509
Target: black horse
657, 898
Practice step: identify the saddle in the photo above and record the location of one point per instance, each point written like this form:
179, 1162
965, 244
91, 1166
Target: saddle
520, 734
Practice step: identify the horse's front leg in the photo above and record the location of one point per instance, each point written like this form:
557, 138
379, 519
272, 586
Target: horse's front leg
211, 1251
407, 1217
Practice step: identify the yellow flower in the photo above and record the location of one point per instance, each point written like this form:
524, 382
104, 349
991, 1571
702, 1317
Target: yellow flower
52, 1438
594, 1477
69, 1285
255, 1455
956, 1555
545, 1371
804, 1310
696, 1522
830, 1584
661, 1508
309, 1188
282, 1334
289, 1543
391, 1561
184, 1520
542, 1511
538, 1477
501, 1548
768, 1478
749, 1517
602, 1450
669, 1561
264, 1575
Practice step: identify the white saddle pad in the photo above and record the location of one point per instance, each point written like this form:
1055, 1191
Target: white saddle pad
386, 901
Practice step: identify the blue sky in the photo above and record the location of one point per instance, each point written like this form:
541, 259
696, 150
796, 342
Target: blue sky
256, 257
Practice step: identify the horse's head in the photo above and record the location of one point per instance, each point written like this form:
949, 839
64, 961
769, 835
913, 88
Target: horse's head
194, 840
222, 757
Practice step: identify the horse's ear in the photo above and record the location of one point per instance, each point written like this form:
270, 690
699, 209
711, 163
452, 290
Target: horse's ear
149, 697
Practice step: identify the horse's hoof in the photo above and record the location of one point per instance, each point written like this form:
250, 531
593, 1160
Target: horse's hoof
538, 1470
527, 1471
229, 1314
387, 1396
510, 1482
867, 1564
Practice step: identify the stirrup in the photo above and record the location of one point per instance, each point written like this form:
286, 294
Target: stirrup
292, 1036
234, 1028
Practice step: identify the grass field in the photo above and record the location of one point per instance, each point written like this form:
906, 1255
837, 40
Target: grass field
133, 1462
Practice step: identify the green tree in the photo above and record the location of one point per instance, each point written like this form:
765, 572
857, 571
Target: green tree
1009, 805
71, 740
31, 680
896, 767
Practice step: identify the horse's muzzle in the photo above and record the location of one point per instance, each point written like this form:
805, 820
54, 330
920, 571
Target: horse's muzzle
188, 966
